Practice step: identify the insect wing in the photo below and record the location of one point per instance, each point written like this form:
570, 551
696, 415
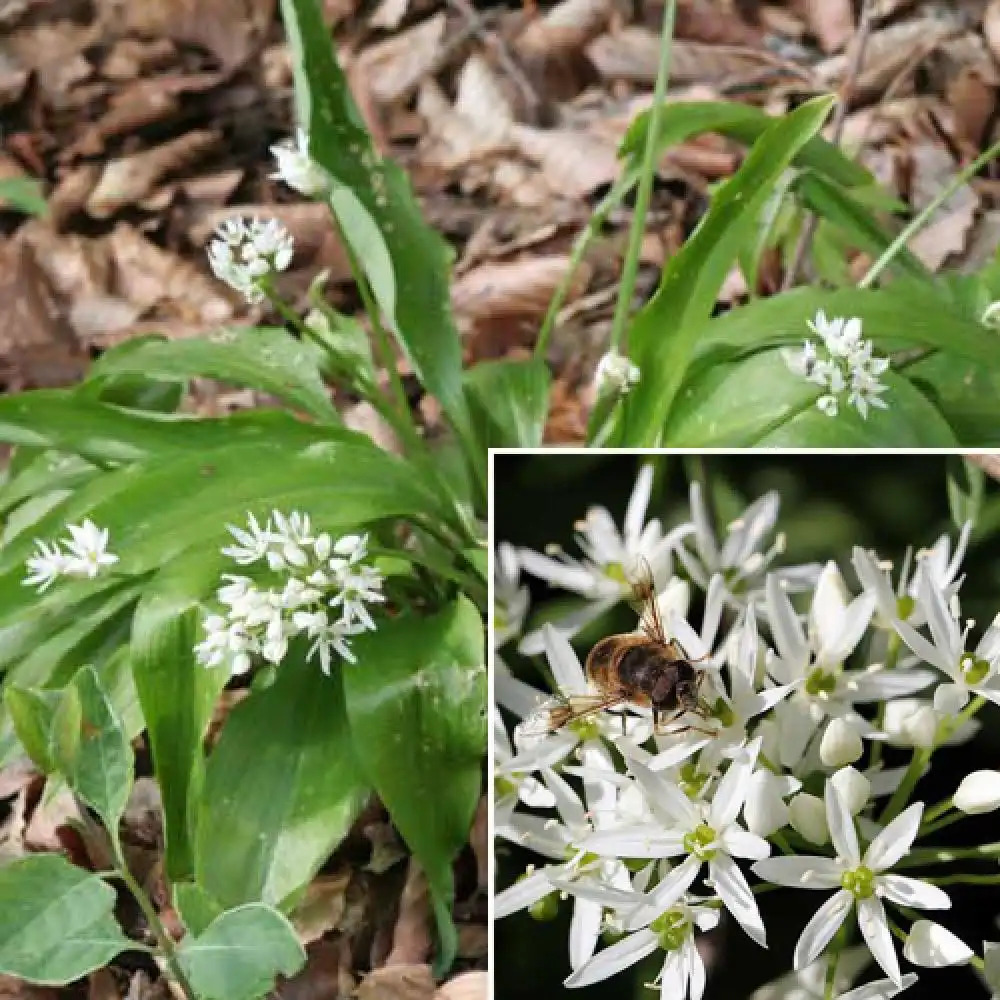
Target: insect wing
644, 597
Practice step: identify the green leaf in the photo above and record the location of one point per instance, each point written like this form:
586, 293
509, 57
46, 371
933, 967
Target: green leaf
177, 694
682, 120
965, 484
46, 473
509, 401
56, 921
196, 907
103, 433
240, 954
266, 358
33, 716
282, 788
23, 194
416, 301
830, 201
100, 768
664, 334
416, 700
966, 392
758, 402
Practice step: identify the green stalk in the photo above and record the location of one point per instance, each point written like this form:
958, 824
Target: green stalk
922, 856
963, 879
163, 939
630, 268
834, 957
914, 772
608, 203
918, 223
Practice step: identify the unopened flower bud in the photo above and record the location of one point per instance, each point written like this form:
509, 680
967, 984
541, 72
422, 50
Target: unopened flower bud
854, 788
616, 374
807, 814
910, 722
765, 810
979, 792
841, 744
933, 946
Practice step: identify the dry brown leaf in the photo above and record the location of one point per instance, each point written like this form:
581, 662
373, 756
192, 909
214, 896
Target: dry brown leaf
389, 14
392, 68
411, 937
102, 985
468, 986
564, 29
72, 192
397, 982
229, 29
991, 27
574, 163
832, 22
325, 976
128, 180
974, 101
18, 989
473, 942
54, 51
322, 906
132, 57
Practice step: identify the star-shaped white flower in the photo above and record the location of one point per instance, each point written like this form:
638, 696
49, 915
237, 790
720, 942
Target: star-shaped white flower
862, 881
510, 599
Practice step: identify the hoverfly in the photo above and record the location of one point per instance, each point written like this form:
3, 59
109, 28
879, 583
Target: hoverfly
643, 668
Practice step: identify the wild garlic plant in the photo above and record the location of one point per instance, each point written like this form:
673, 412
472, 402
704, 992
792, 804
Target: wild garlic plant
777, 782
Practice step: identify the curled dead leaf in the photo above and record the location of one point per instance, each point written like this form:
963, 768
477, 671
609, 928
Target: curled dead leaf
392, 68
468, 986
397, 982
831, 21
574, 163
411, 938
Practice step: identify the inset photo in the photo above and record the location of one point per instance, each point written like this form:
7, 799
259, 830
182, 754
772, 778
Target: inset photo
746, 739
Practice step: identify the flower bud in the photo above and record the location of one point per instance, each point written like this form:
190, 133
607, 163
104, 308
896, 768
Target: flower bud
765, 810
841, 744
979, 792
616, 375
807, 814
910, 722
854, 788
933, 946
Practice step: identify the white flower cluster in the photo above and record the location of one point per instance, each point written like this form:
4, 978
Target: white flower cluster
83, 554
298, 169
317, 586
842, 363
655, 832
245, 251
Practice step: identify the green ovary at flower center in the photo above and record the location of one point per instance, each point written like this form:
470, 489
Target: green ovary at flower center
671, 929
974, 671
585, 729
504, 786
820, 684
860, 882
616, 571
699, 842
905, 607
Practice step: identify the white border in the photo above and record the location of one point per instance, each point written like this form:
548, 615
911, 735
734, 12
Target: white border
491, 540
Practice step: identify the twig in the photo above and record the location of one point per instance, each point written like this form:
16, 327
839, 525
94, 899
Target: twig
478, 27
858, 45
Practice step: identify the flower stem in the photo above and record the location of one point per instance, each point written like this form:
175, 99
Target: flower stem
914, 772
945, 855
834, 957
921, 220
630, 268
163, 939
963, 879
928, 828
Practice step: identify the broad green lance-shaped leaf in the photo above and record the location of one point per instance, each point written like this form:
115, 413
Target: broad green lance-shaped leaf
282, 788
830, 201
65, 421
267, 358
24, 194
196, 907
966, 485
967, 393
33, 715
99, 768
663, 335
758, 402
405, 259
176, 693
56, 921
155, 512
46, 472
241, 953
905, 315
416, 700
509, 401
681, 120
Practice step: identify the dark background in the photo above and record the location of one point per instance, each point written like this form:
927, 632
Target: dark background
829, 504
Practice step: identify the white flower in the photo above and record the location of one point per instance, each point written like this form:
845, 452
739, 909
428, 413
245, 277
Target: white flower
510, 599
616, 374
612, 560
740, 558
841, 744
298, 169
974, 672
910, 722
511, 787
83, 554
246, 251
861, 881
978, 793
700, 832
853, 787
807, 815
934, 947
844, 364
682, 973
810, 983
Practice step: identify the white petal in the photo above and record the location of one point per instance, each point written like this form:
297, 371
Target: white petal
944, 629
927, 651
805, 872
841, 824
933, 946
736, 896
568, 625
895, 840
635, 512
611, 961
913, 892
880, 989
674, 885
852, 627
978, 793
665, 797
786, 628
565, 665
732, 791
875, 931
635, 842
950, 699
696, 970
829, 602
567, 803
521, 894
673, 976
883, 685
765, 810
584, 931
742, 844
560, 574
817, 933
